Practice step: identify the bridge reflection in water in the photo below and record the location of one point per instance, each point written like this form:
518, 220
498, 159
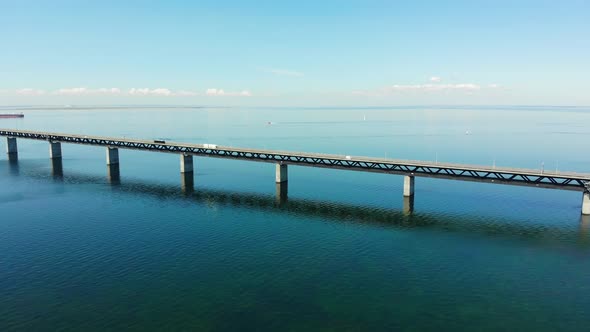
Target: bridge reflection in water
332, 211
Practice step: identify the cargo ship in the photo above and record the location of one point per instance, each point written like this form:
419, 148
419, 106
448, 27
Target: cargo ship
10, 116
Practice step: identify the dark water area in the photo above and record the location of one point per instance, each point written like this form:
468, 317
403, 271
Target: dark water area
83, 249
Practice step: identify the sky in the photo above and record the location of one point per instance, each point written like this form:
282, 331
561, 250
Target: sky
295, 53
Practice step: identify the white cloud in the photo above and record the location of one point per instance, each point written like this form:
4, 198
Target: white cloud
493, 86
214, 92
86, 91
158, 92
139, 91
435, 87
435, 79
30, 92
220, 92
284, 72
134, 92
162, 92
420, 88
150, 92
72, 91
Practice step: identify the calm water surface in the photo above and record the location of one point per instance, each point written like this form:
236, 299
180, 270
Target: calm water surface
81, 252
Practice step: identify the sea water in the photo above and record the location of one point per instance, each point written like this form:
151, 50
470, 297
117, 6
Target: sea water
81, 252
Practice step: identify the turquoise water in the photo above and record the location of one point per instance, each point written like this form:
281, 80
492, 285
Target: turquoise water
79, 252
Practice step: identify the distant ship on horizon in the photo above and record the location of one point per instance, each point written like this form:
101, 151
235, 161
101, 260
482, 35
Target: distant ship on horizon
11, 115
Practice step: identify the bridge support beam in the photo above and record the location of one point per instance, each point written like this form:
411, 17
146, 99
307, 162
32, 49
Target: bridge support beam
112, 156
186, 163
11, 145
586, 203
54, 150
408, 186
11, 148
281, 173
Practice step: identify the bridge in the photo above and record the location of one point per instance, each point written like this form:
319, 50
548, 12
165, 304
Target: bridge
408, 168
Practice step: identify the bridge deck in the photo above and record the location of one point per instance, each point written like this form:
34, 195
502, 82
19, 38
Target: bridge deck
500, 175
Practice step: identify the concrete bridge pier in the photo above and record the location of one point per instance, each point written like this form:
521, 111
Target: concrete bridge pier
281, 173
408, 205
113, 170
282, 193
186, 163
112, 156
11, 148
54, 150
187, 178
586, 203
408, 186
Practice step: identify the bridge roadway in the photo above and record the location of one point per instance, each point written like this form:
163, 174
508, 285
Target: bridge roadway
500, 175
409, 168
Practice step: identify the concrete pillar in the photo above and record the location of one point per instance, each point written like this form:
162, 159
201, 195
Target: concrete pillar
408, 205
54, 150
282, 193
586, 203
408, 186
11, 147
113, 173
281, 173
112, 156
186, 163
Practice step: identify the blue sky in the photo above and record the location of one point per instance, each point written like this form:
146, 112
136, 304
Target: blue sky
342, 53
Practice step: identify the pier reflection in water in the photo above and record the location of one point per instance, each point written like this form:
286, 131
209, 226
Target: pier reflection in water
281, 196
12, 156
585, 227
57, 169
113, 174
406, 217
13, 165
187, 183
